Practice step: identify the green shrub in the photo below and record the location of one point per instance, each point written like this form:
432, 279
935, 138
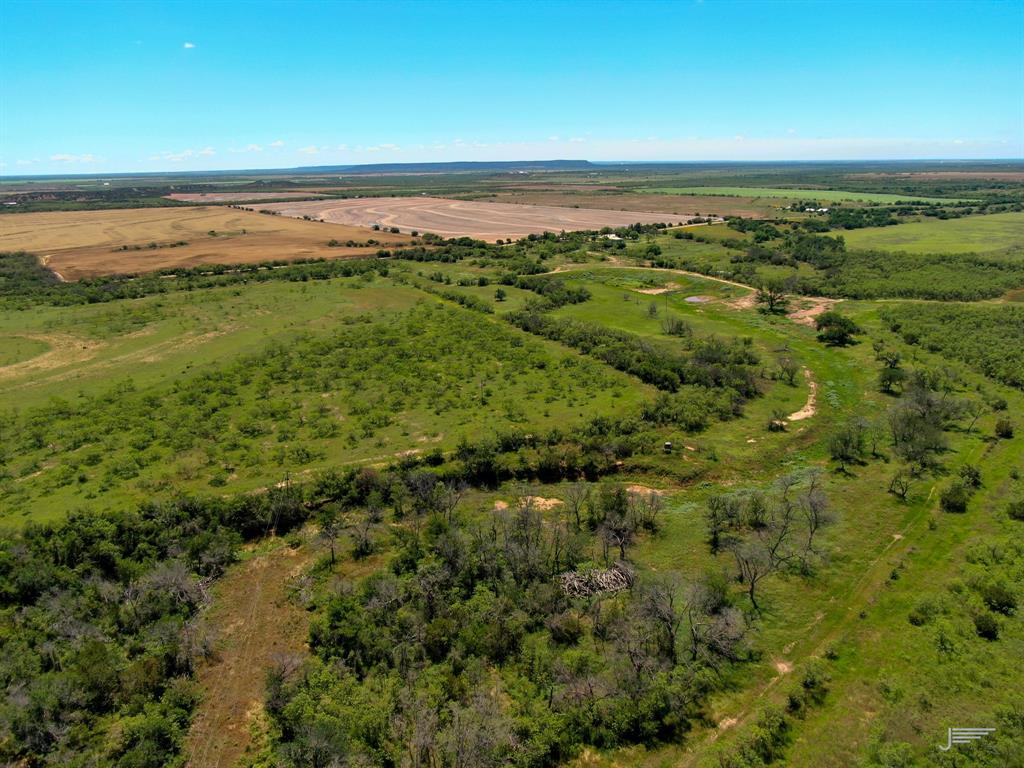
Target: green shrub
998, 596
954, 498
970, 475
924, 612
987, 626
1015, 509
987, 338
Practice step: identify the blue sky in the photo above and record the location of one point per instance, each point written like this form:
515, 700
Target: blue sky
93, 87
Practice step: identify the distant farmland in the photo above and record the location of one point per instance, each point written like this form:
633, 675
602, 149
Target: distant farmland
628, 200
455, 218
78, 244
237, 197
826, 195
971, 234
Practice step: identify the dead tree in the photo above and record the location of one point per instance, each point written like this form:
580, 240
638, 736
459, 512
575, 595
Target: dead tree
815, 508
577, 496
900, 484
754, 563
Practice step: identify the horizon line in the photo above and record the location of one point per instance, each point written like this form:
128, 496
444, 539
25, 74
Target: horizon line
346, 166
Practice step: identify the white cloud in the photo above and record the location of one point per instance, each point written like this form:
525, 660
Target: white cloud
189, 45
577, 140
310, 150
24, 162
66, 158
343, 147
276, 144
185, 154
552, 138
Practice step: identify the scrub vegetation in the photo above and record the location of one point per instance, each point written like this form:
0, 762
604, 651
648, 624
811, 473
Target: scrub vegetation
732, 494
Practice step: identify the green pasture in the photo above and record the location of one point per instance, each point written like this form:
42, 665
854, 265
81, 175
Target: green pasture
717, 232
158, 339
970, 234
213, 391
17, 349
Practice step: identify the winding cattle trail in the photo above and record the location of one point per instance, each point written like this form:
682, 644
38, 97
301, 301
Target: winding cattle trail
810, 407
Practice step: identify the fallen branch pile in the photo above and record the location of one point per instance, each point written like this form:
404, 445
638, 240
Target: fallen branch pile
594, 581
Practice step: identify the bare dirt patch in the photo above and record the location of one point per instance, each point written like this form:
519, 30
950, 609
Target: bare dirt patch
538, 502
79, 244
544, 504
656, 291
460, 218
810, 309
810, 407
747, 301
645, 490
783, 667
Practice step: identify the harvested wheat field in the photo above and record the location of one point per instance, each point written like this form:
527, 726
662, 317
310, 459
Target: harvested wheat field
77, 244
457, 218
238, 197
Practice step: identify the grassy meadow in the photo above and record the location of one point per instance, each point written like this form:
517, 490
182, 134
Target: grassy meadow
972, 234
120, 404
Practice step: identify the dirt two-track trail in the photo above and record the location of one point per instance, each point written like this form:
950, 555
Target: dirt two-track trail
254, 622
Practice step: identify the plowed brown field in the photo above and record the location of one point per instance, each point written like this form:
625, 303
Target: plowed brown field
455, 218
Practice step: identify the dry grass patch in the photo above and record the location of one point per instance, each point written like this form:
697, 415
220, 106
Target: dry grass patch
78, 244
